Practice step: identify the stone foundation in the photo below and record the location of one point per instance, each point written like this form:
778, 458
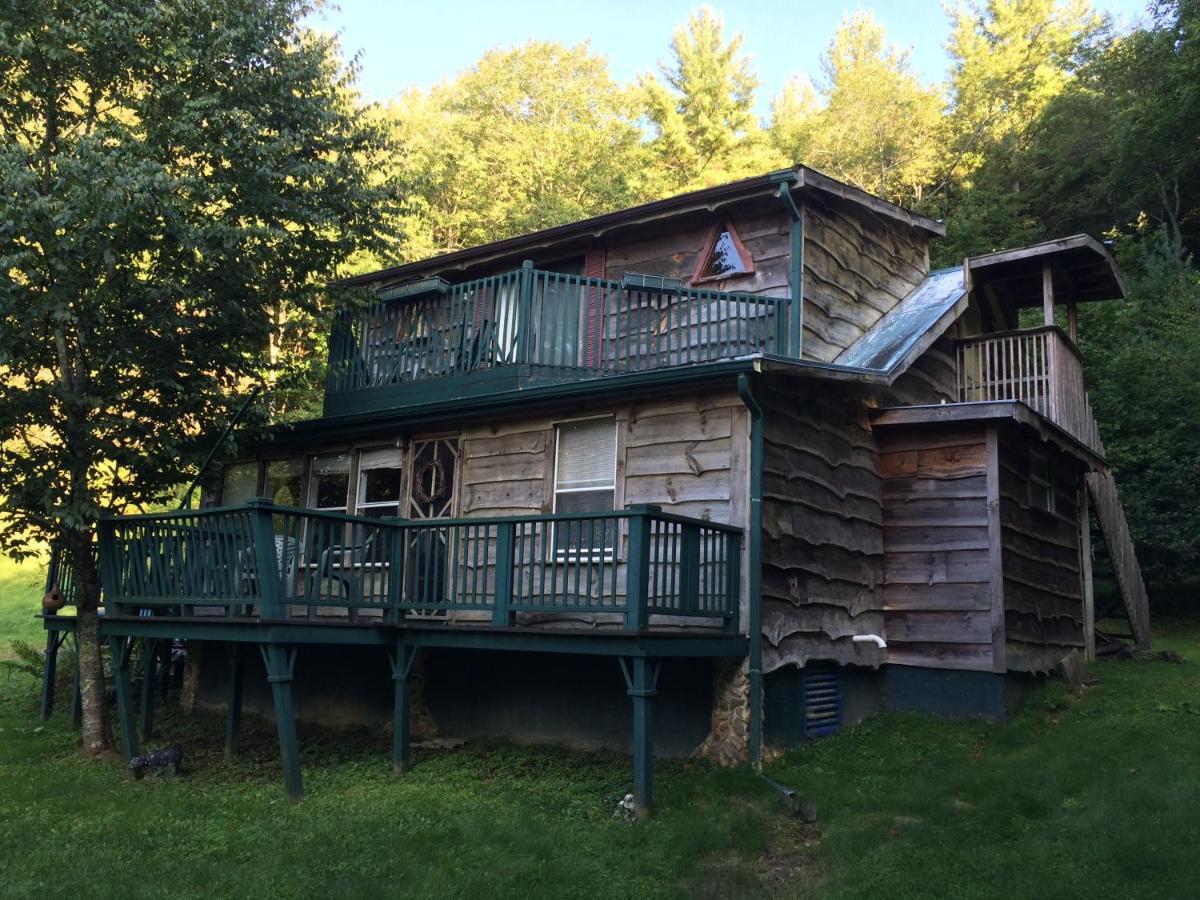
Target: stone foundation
728, 743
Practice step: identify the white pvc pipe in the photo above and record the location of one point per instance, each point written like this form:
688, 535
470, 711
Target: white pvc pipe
879, 642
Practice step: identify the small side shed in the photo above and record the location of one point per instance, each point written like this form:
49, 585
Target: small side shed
984, 537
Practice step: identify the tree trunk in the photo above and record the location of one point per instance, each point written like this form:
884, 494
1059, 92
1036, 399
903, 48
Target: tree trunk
95, 731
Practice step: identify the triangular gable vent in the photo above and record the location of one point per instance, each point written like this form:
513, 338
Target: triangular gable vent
724, 256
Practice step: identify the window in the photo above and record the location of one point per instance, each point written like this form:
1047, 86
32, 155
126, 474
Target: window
283, 482
329, 482
379, 481
240, 483
1041, 488
585, 480
723, 256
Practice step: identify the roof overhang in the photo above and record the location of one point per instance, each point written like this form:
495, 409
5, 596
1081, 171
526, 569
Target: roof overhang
1082, 268
1012, 411
708, 200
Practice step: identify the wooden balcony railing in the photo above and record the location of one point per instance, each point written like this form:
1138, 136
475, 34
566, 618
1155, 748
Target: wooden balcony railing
275, 563
1038, 366
587, 326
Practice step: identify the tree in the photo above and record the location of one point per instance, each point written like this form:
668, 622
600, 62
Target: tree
701, 113
177, 182
529, 137
874, 125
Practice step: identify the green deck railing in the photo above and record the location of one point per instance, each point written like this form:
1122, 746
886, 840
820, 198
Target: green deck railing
528, 317
276, 562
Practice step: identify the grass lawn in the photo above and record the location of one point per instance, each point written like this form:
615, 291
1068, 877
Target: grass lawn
1093, 794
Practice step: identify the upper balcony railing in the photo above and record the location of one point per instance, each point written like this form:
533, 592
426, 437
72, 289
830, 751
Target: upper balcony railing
1041, 367
283, 563
565, 325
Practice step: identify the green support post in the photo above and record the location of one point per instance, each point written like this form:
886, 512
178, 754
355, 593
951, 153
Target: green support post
281, 668
398, 537
637, 576
266, 561
123, 683
502, 615
754, 624
402, 662
233, 708
149, 667
528, 352
641, 683
796, 313
54, 640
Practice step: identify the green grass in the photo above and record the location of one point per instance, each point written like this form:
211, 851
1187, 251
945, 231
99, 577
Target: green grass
21, 587
1081, 795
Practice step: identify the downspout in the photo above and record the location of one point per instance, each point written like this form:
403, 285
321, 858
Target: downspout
187, 498
796, 280
755, 562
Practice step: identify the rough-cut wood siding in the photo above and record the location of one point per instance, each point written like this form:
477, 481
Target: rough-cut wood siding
1043, 598
822, 528
856, 268
936, 593
674, 249
932, 378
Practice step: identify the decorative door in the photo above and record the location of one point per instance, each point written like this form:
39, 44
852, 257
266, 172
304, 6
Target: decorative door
432, 494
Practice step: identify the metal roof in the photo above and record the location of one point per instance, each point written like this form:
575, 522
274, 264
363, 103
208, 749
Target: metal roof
908, 324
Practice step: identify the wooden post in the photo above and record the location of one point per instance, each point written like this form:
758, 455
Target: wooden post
49, 672
402, 663
995, 559
281, 667
1073, 320
502, 615
266, 561
1047, 293
124, 690
149, 667
637, 575
233, 707
1085, 570
641, 683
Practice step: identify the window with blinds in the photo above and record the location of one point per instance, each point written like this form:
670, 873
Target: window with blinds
585, 480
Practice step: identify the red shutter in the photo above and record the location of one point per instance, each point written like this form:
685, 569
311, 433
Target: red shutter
593, 267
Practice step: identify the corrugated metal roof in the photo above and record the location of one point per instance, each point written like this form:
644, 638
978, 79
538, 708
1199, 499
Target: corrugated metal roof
893, 336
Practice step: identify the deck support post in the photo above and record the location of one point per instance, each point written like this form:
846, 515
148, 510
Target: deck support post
149, 669
123, 683
54, 640
233, 707
281, 668
641, 683
402, 662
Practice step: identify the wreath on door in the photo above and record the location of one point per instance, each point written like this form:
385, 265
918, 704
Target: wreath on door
429, 482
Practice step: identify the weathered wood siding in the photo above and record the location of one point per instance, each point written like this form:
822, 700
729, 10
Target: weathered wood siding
1043, 596
932, 378
822, 527
856, 268
937, 601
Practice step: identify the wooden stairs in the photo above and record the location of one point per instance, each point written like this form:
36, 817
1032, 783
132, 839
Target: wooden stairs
1102, 491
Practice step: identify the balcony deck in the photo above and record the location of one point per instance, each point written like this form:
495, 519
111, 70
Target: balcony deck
528, 327
1040, 367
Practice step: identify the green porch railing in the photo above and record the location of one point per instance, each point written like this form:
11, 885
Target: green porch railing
276, 562
529, 317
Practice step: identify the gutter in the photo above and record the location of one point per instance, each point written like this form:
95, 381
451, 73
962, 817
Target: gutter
755, 561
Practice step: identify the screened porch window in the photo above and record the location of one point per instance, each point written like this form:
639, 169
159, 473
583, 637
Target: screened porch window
585, 481
379, 482
329, 482
240, 483
283, 482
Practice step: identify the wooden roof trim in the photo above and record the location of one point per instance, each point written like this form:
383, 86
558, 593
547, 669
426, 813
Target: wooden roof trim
706, 200
988, 411
1050, 248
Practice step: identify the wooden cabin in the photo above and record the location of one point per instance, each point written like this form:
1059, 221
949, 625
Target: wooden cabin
736, 459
